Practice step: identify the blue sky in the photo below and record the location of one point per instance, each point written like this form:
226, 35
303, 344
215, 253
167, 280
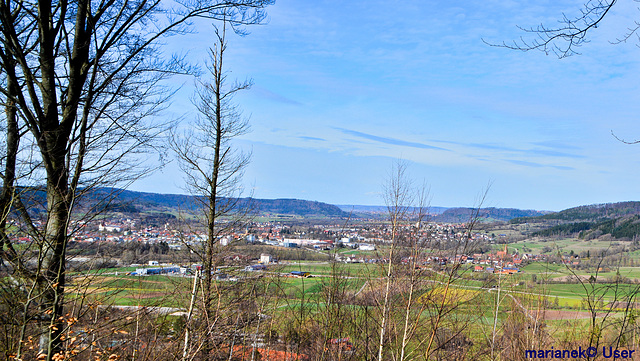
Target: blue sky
344, 88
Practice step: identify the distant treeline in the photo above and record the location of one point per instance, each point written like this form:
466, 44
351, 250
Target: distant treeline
561, 229
491, 213
622, 227
106, 199
593, 213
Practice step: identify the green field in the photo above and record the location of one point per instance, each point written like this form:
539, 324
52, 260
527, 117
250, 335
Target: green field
328, 268
339, 299
160, 290
566, 245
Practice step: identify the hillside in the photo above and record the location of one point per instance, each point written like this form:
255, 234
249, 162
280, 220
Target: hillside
298, 207
382, 209
591, 213
158, 202
619, 220
142, 201
453, 215
126, 201
132, 202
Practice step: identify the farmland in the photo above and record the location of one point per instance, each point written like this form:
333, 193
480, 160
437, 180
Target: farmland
168, 290
320, 286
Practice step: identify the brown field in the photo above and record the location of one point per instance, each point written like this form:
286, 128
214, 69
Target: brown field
550, 315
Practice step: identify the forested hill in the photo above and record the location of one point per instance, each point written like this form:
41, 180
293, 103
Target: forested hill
126, 201
132, 202
142, 201
594, 212
155, 201
455, 215
298, 207
383, 210
619, 220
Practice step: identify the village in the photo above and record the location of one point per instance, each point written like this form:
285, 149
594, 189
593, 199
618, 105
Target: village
361, 243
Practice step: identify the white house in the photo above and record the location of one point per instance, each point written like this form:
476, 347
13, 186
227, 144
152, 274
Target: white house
108, 228
224, 241
266, 258
366, 247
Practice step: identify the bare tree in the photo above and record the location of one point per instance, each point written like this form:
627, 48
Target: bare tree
398, 197
571, 33
414, 275
80, 82
425, 306
442, 302
213, 168
615, 317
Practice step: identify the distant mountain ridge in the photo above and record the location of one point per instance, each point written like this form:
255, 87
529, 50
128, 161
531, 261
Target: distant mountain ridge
591, 212
619, 220
300, 207
127, 201
461, 214
285, 206
131, 202
454, 214
382, 209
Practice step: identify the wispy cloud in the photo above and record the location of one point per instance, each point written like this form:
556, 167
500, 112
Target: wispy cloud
312, 138
556, 144
562, 167
530, 151
268, 94
553, 153
492, 147
525, 163
537, 165
387, 140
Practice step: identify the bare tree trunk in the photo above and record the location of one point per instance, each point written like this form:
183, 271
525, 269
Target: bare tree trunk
52, 281
213, 182
189, 314
385, 303
8, 195
398, 198
495, 320
213, 172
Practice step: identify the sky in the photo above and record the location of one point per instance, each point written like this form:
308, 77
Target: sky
343, 89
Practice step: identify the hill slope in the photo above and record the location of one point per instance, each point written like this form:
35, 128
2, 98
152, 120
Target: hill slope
620, 220
487, 214
592, 212
126, 201
155, 201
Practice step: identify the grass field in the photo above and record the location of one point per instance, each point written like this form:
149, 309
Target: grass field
288, 305
566, 245
114, 286
327, 268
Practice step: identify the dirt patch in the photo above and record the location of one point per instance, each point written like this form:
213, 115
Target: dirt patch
131, 280
571, 278
549, 315
584, 279
147, 295
107, 281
